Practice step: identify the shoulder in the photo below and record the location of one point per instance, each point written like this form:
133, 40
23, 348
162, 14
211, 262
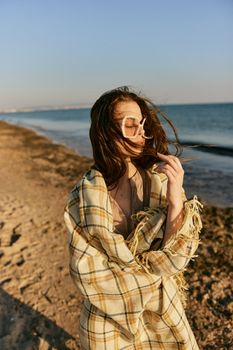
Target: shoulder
89, 187
91, 176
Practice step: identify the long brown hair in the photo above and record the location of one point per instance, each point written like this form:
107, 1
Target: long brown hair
104, 132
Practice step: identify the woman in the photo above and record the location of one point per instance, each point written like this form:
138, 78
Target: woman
132, 231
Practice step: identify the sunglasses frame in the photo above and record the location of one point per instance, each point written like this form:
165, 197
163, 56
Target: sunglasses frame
141, 125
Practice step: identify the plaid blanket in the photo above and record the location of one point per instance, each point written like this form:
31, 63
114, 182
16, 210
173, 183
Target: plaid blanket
133, 294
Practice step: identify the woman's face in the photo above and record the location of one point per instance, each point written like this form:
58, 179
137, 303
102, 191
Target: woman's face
131, 108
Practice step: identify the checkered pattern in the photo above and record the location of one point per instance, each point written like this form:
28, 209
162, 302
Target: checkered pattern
132, 294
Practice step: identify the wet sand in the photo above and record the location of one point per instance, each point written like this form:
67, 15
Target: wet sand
39, 305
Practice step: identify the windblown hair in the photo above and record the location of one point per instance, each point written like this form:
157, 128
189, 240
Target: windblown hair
104, 133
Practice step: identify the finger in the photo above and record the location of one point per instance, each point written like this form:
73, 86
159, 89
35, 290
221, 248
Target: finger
167, 170
176, 159
169, 174
170, 169
171, 160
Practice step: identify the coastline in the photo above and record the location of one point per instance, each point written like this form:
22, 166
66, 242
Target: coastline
40, 304
207, 173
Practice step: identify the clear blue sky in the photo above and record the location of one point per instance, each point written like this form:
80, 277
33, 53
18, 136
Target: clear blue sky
59, 53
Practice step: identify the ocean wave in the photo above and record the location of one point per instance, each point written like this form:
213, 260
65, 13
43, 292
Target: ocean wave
210, 148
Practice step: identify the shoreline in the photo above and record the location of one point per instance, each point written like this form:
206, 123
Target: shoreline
200, 146
40, 306
207, 174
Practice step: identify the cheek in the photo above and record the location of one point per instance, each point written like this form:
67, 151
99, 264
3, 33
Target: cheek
140, 141
125, 152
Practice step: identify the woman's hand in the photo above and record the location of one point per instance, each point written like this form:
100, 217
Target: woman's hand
175, 173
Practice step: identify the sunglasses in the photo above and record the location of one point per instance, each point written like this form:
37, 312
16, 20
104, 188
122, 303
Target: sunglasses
131, 126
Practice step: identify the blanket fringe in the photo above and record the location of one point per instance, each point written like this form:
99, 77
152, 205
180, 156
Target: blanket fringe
142, 217
192, 208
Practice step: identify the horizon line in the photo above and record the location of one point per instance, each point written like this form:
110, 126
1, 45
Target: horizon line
89, 105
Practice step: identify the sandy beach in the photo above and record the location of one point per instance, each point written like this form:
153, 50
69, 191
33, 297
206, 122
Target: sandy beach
39, 305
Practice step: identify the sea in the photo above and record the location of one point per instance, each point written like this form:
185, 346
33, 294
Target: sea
206, 130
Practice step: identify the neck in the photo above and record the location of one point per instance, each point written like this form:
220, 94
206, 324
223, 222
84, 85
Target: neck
131, 168
124, 180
